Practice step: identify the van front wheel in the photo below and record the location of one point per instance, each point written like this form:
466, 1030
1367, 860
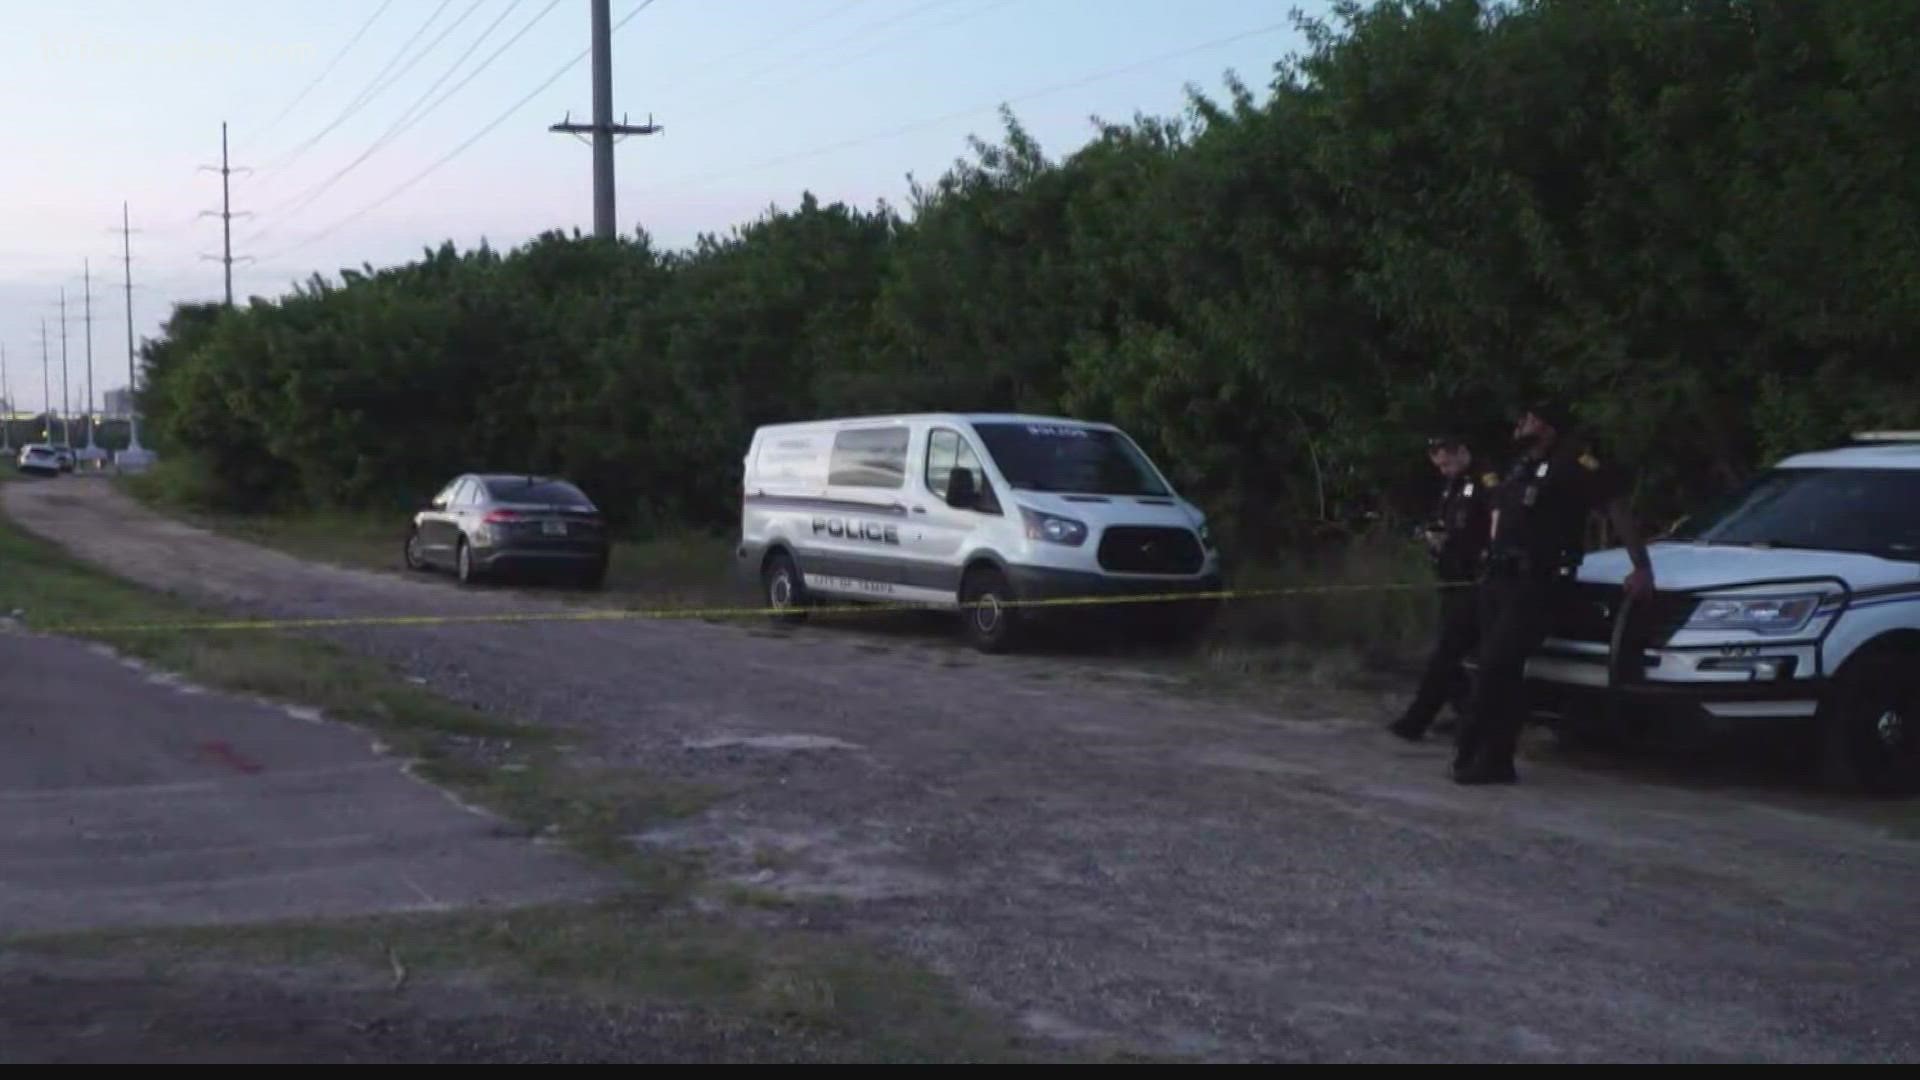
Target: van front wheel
785, 593
991, 625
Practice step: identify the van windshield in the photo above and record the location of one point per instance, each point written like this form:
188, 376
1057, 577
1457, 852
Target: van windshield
1071, 459
1871, 511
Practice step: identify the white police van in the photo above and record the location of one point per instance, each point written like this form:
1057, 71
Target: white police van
967, 512
1794, 599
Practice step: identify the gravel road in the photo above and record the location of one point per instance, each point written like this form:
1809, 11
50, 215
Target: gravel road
1108, 860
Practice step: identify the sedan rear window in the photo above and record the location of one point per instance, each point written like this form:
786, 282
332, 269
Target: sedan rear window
517, 489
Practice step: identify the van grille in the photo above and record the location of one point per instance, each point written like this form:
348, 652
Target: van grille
1142, 549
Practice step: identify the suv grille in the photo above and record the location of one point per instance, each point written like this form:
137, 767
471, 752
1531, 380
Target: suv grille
1588, 611
1140, 549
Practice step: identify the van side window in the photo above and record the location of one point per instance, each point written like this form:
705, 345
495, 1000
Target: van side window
870, 458
943, 448
947, 451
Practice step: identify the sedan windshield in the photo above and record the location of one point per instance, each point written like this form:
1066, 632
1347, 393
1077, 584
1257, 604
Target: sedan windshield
1871, 511
1068, 458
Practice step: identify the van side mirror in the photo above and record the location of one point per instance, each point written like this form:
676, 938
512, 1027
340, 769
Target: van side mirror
962, 493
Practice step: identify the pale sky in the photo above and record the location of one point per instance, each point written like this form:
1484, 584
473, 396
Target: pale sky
760, 100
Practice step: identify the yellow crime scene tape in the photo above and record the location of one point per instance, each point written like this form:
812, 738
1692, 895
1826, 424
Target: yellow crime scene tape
598, 614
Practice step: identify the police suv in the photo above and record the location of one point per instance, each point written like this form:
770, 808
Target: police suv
967, 512
1794, 599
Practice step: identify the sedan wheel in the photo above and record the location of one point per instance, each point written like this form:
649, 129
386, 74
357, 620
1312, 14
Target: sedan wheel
469, 574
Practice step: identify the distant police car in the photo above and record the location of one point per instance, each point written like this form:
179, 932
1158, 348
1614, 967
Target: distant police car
965, 511
1795, 598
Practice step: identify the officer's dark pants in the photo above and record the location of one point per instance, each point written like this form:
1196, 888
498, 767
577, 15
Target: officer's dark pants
1459, 633
1515, 617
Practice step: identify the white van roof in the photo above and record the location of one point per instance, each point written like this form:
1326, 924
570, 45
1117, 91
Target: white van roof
944, 418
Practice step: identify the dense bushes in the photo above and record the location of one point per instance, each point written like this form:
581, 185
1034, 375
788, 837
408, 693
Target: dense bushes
1695, 218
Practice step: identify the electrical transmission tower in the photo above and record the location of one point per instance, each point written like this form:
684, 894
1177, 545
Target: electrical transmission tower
46, 385
225, 213
66, 396
92, 454
603, 129
6, 395
134, 456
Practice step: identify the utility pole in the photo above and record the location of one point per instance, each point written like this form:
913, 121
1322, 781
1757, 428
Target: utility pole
46, 384
226, 214
133, 456
92, 452
6, 395
603, 129
66, 399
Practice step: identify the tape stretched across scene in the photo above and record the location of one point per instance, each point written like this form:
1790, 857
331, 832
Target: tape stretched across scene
719, 613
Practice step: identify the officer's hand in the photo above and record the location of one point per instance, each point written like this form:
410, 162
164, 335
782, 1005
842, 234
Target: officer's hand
1639, 583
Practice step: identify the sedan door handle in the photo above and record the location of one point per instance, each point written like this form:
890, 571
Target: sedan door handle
919, 509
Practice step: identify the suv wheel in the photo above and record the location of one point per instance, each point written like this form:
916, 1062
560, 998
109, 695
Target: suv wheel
1872, 725
991, 626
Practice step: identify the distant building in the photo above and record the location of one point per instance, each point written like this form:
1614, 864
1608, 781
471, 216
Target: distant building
118, 404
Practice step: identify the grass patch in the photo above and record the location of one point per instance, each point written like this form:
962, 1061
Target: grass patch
641, 946
619, 950
511, 769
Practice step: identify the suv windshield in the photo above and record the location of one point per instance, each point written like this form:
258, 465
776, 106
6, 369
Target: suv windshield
1066, 458
1872, 511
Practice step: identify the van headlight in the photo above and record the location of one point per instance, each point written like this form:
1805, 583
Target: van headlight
1760, 614
1053, 528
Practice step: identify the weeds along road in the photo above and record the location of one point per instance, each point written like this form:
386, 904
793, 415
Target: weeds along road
1109, 862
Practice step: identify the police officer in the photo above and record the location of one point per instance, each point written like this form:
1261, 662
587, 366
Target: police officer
1457, 539
1540, 513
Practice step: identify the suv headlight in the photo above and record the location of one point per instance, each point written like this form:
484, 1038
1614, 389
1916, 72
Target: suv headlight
1053, 528
1760, 614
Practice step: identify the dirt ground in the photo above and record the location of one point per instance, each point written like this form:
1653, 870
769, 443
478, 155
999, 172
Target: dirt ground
1107, 858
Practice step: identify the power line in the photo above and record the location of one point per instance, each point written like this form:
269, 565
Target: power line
458, 150
331, 64
366, 94
1045, 91
785, 33
412, 117
883, 45
760, 76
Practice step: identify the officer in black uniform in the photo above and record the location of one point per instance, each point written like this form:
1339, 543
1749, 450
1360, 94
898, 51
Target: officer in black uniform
1539, 522
1457, 539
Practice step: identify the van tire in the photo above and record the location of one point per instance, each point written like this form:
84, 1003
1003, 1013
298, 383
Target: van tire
989, 626
1871, 725
783, 590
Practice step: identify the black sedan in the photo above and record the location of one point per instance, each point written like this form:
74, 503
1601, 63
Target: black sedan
485, 525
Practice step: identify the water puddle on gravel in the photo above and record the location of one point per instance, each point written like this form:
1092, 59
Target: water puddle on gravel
788, 743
